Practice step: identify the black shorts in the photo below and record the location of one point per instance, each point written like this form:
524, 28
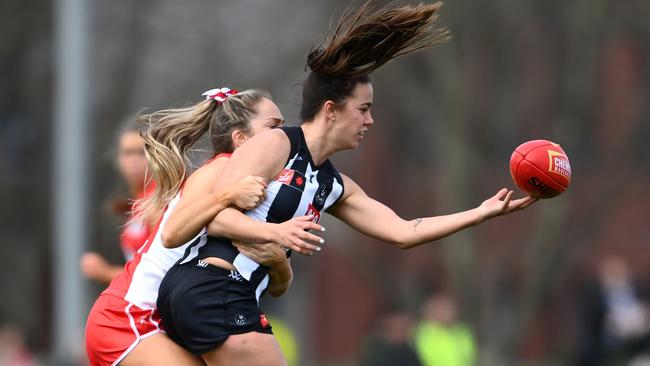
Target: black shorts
201, 305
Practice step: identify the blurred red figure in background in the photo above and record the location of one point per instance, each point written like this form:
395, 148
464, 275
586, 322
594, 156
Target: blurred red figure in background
131, 164
13, 351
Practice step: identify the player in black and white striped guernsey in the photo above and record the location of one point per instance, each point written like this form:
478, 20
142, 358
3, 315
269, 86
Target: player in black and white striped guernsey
188, 294
302, 188
337, 97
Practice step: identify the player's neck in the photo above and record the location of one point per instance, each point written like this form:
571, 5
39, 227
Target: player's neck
317, 141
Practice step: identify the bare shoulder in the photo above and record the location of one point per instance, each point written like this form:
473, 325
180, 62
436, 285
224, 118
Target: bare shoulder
268, 141
208, 172
263, 155
351, 187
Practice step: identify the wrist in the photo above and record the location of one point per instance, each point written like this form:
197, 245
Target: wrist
227, 194
269, 233
479, 215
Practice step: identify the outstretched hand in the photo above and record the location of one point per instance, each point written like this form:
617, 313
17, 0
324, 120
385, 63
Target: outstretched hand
503, 204
93, 265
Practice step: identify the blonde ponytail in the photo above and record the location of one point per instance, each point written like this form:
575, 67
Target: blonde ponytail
171, 133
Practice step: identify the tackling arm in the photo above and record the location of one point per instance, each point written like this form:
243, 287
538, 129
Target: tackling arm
253, 158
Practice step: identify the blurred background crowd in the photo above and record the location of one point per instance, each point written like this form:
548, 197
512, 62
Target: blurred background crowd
563, 283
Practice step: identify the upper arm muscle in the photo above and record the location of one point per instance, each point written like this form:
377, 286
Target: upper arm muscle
200, 183
367, 215
264, 155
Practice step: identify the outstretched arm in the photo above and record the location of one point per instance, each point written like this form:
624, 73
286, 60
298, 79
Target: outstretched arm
97, 268
375, 219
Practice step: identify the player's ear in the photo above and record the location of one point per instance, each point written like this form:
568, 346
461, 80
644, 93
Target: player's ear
329, 108
238, 138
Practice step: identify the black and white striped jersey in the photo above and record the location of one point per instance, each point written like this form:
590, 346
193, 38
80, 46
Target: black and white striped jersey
301, 188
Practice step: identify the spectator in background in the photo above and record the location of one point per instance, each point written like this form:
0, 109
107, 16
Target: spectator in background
131, 164
391, 343
615, 318
440, 339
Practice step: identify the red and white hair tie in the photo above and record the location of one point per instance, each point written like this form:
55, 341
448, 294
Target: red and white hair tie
220, 94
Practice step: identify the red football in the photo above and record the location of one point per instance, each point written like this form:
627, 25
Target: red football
541, 168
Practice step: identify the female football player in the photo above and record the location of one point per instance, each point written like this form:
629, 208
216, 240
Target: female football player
215, 314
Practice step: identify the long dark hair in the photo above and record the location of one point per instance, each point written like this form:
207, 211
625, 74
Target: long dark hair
362, 41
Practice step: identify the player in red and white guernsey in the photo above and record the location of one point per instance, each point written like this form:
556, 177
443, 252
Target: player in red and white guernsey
123, 325
131, 164
214, 313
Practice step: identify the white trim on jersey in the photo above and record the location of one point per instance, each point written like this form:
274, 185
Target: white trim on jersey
157, 330
337, 190
245, 266
135, 333
194, 251
309, 192
261, 287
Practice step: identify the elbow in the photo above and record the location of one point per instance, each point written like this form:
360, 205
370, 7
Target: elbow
403, 236
400, 241
167, 239
404, 245
277, 291
403, 242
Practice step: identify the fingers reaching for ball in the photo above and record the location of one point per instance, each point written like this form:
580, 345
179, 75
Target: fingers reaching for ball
510, 204
507, 198
502, 203
521, 203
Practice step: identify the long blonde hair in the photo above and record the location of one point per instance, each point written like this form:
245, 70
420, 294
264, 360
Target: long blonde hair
170, 133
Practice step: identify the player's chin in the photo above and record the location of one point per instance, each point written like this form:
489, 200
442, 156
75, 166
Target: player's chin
353, 145
356, 141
